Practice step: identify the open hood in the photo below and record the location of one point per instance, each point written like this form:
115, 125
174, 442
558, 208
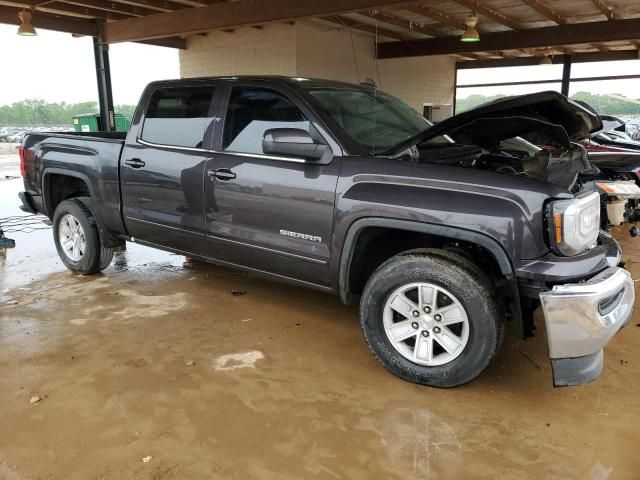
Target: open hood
548, 116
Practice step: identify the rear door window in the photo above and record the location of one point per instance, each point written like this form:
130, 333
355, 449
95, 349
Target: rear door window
178, 116
251, 112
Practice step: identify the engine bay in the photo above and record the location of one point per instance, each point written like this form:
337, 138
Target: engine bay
552, 164
568, 168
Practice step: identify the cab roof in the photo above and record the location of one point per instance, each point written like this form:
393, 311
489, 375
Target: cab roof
296, 82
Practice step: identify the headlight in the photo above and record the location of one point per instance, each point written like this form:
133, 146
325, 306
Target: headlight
574, 224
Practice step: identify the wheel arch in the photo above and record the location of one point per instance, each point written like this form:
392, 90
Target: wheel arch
443, 231
49, 202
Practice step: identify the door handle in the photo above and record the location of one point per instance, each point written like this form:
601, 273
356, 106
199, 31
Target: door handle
222, 174
135, 162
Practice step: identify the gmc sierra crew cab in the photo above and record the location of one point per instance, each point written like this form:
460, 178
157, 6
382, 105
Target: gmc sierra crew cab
442, 233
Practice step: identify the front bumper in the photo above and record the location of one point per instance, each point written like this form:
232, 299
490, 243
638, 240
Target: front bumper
581, 318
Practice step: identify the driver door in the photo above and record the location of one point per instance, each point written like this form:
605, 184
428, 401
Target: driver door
267, 212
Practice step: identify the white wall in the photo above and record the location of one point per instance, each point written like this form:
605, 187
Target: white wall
310, 51
246, 51
342, 54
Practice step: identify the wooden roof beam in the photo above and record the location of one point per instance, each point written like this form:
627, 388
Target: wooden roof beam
545, 11
438, 16
169, 42
491, 13
232, 15
365, 27
48, 21
81, 11
75, 26
604, 7
158, 5
114, 7
154, 5
561, 35
558, 59
563, 50
470, 56
601, 47
204, 3
391, 19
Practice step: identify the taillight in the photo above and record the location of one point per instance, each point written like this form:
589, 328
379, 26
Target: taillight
23, 169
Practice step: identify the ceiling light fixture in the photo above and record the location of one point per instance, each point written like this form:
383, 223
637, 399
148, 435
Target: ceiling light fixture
26, 27
471, 35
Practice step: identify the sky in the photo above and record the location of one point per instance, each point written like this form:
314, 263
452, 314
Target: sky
57, 67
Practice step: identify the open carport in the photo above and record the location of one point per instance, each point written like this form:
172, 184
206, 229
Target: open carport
163, 368
411, 49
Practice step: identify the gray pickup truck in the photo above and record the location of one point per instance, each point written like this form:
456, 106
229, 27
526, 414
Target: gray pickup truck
441, 232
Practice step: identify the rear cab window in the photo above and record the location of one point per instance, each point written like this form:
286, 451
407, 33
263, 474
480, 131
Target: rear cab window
178, 116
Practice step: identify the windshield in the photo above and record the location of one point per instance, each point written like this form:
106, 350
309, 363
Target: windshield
373, 119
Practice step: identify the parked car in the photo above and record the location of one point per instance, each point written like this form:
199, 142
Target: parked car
16, 137
7, 133
348, 190
613, 137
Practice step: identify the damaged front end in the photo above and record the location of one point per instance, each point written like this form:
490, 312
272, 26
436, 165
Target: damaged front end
533, 136
619, 201
585, 293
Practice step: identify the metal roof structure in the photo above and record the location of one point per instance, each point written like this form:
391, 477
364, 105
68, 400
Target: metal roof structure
511, 31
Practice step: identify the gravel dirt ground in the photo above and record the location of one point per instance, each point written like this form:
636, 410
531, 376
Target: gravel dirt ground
156, 371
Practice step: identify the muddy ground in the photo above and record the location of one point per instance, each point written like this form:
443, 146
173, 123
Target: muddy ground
154, 361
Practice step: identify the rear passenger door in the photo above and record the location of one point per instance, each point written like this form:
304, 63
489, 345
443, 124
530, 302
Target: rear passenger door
270, 213
162, 167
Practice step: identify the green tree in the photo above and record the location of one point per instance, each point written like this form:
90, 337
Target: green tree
608, 104
126, 110
32, 112
472, 101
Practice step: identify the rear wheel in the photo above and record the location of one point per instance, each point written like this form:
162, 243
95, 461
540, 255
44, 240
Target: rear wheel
431, 317
77, 240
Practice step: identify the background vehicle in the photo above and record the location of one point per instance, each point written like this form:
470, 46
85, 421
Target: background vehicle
348, 190
617, 156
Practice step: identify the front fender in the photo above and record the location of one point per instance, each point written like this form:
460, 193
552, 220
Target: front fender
507, 209
444, 231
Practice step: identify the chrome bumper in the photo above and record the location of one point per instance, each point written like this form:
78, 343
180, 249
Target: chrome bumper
581, 318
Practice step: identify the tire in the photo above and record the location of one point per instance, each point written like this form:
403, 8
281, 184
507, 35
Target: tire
74, 222
453, 349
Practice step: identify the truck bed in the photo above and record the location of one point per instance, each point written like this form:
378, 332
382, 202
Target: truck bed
108, 136
92, 158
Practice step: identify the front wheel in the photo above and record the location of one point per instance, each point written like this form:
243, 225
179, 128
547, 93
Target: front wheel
75, 233
431, 317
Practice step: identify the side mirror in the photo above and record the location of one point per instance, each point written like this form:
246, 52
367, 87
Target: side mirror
292, 142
